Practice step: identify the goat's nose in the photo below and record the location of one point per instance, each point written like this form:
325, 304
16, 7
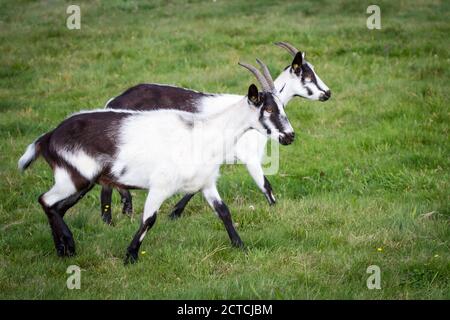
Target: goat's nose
325, 96
287, 138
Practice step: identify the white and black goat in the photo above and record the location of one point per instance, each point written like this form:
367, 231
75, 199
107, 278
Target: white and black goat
150, 150
297, 80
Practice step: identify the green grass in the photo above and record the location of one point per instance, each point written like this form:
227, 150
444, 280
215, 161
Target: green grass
369, 168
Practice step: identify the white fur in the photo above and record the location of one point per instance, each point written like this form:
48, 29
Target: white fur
87, 166
27, 156
62, 188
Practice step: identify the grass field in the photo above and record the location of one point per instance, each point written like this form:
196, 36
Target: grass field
365, 183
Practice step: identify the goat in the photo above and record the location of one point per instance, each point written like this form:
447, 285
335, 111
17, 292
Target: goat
134, 149
298, 79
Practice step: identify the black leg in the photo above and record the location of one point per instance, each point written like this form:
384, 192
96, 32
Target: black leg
105, 199
133, 248
62, 236
268, 192
65, 204
126, 200
179, 207
224, 214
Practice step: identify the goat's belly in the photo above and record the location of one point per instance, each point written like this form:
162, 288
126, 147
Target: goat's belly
192, 186
195, 181
134, 180
135, 175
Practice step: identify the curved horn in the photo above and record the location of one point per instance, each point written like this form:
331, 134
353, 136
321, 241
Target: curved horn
266, 74
289, 47
262, 80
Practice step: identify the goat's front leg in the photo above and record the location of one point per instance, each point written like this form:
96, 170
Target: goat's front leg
212, 196
179, 207
257, 173
152, 204
126, 199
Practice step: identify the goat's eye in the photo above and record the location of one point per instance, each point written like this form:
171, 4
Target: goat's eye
269, 109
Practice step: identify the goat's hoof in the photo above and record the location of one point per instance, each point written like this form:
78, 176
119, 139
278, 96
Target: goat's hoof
131, 258
128, 210
238, 244
271, 199
107, 218
65, 249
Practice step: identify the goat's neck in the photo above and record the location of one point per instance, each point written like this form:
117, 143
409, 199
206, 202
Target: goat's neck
283, 84
225, 128
217, 104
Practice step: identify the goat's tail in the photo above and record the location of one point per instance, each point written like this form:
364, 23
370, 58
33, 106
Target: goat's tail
31, 153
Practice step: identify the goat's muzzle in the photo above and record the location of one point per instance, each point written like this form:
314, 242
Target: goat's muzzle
287, 138
325, 96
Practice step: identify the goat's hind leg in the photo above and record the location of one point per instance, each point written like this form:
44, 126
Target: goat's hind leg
55, 202
126, 199
105, 199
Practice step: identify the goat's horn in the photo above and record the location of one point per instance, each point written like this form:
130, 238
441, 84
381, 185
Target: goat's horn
262, 80
266, 74
289, 47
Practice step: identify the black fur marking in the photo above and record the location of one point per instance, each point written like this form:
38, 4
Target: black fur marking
96, 132
253, 95
268, 192
224, 214
269, 102
307, 72
154, 96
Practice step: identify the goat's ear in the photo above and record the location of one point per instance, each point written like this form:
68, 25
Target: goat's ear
297, 62
253, 95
